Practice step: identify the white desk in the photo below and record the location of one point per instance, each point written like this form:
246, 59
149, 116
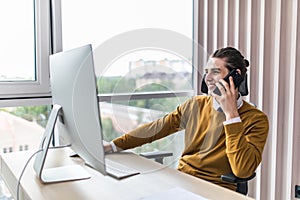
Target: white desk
153, 179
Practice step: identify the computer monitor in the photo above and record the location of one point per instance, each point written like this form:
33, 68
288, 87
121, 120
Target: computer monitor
75, 112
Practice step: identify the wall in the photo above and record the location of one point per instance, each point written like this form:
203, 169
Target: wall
268, 34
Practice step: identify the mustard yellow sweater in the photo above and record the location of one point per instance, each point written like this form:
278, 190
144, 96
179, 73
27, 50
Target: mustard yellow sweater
211, 148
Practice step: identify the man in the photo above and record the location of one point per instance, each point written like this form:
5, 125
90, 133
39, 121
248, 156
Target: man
223, 133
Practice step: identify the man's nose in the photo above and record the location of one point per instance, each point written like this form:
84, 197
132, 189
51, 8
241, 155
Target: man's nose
208, 76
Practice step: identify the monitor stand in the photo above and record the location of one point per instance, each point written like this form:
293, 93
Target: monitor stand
57, 174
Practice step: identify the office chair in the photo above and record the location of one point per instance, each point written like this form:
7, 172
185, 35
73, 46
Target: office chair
242, 183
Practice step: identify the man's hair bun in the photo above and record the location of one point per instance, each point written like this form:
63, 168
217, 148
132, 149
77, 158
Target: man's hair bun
246, 62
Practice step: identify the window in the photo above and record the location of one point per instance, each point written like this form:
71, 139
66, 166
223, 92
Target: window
24, 75
139, 46
143, 53
24, 48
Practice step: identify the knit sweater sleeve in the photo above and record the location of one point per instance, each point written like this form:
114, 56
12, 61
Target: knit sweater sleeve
245, 143
152, 131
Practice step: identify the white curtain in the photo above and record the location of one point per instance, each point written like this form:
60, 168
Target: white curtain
268, 34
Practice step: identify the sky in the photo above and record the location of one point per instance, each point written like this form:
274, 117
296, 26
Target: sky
16, 38
104, 20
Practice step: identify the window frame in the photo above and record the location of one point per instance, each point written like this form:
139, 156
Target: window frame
20, 92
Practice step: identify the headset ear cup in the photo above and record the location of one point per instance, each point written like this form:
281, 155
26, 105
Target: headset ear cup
204, 88
243, 88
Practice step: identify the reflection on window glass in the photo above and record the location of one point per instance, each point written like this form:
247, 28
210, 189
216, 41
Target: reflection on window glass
17, 50
21, 128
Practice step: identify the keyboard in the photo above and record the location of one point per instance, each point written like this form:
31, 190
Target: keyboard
118, 170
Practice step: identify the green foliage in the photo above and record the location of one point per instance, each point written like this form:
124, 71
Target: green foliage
129, 85
163, 104
33, 113
115, 85
154, 87
109, 132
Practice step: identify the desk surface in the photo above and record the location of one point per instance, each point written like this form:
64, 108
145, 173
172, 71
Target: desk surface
154, 178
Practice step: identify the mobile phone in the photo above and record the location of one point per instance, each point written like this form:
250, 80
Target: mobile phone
237, 79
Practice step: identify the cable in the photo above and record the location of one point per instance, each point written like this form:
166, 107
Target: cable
19, 180
23, 170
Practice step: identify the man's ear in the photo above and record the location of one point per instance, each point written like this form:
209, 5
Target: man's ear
239, 71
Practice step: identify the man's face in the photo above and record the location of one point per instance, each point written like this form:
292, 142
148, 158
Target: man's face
215, 70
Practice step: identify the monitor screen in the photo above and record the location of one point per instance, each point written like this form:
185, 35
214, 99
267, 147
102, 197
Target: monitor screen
75, 108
